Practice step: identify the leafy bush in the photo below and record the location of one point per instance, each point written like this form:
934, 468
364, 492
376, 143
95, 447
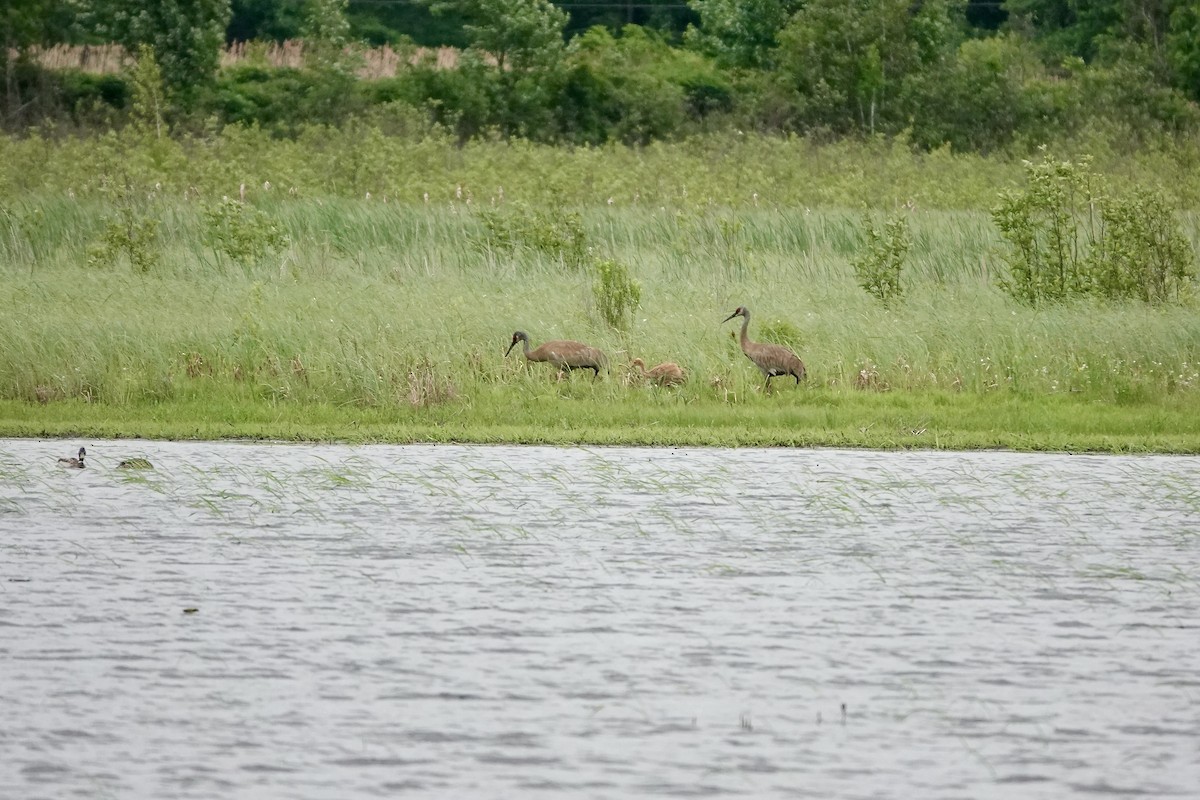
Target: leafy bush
285, 100
1146, 255
978, 100
1068, 237
617, 293
635, 89
558, 235
241, 232
81, 90
131, 233
463, 100
878, 265
1051, 227
778, 331
149, 100
1130, 95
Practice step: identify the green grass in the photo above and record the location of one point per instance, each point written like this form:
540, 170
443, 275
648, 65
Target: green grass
389, 321
807, 417
430, 167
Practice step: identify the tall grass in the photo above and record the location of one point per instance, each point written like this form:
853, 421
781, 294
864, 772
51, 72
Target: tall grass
396, 157
376, 304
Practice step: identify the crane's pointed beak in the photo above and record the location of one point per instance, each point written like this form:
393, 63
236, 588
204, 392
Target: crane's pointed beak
731, 316
510, 347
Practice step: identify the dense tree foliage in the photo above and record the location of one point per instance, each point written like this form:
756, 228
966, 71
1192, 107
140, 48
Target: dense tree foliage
972, 74
185, 36
740, 33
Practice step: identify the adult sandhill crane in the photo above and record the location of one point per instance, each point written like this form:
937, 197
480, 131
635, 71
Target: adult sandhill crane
74, 463
667, 374
773, 359
562, 353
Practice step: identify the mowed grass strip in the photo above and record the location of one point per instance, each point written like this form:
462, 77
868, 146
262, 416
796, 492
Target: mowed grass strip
805, 418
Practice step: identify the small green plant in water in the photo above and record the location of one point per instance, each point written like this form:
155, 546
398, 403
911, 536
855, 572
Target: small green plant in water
242, 233
878, 266
617, 293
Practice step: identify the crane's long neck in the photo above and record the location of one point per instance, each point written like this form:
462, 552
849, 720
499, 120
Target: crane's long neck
745, 326
525, 346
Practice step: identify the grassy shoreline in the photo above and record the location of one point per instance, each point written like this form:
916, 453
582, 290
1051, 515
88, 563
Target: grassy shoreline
799, 418
130, 309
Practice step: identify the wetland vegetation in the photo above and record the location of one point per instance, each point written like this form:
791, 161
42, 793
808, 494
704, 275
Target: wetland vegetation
246, 286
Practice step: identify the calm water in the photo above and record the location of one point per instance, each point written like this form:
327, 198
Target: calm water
521, 622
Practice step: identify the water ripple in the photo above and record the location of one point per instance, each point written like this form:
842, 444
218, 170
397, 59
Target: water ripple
255, 620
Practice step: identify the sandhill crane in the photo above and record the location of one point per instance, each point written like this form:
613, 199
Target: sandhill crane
562, 353
667, 374
74, 463
772, 359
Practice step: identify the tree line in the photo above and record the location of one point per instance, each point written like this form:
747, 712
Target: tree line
974, 75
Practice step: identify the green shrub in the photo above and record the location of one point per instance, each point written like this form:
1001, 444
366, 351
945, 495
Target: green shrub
617, 293
1068, 236
463, 100
979, 99
81, 90
555, 234
1146, 255
131, 232
241, 233
1051, 227
285, 100
635, 89
878, 265
778, 331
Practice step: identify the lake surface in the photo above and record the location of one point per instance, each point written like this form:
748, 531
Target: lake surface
269, 620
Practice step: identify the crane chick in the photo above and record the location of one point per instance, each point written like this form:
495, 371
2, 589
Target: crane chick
666, 374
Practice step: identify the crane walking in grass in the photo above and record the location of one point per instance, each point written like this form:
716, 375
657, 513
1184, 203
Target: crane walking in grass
564, 354
666, 374
773, 359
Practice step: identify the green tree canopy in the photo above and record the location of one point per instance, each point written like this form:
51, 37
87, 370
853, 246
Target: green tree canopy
522, 35
846, 59
185, 36
739, 33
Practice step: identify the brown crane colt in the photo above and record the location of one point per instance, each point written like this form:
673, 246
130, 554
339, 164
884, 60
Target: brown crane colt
773, 359
666, 374
562, 353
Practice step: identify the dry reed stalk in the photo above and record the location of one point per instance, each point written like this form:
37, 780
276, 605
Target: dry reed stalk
377, 62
